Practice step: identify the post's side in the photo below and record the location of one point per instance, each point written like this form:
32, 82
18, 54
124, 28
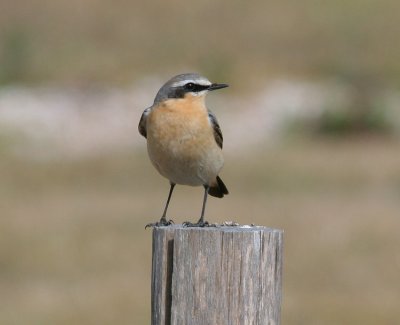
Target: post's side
222, 275
161, 275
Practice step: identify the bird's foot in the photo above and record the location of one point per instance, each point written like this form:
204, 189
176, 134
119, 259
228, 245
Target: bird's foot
198, 224
162, 223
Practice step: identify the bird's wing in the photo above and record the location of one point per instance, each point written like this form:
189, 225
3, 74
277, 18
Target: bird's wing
143, 122
217, 130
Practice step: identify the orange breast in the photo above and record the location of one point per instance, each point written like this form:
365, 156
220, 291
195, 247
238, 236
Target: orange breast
180, 123
181, 142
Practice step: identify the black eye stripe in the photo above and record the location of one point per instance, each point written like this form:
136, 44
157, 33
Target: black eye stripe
189, 86
195, 87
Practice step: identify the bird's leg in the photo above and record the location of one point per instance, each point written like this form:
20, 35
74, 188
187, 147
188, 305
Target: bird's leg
164, 215
201, 222
163, 221
203, 209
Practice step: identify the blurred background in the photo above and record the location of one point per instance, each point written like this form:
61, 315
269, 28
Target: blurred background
311, 126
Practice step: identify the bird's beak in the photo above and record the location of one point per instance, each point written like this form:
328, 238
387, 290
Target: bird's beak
217, 86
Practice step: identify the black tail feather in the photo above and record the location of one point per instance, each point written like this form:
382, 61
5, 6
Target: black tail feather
219, 190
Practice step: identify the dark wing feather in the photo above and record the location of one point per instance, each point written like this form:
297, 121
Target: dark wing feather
217, 130
143, 122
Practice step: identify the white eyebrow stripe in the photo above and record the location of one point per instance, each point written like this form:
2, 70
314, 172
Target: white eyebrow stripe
200, 82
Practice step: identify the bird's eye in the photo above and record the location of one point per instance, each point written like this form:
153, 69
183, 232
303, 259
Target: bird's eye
189, 86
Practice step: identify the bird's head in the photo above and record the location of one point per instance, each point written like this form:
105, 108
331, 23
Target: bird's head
187, 85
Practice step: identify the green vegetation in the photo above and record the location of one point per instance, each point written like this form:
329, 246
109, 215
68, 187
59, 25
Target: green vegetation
363, 113
14, 65
348, 122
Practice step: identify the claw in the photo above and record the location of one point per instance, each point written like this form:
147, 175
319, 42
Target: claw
161, 223
200, 224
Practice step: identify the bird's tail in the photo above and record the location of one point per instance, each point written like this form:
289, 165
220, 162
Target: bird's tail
219, 189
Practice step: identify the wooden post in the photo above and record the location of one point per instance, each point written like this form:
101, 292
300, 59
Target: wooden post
216, 275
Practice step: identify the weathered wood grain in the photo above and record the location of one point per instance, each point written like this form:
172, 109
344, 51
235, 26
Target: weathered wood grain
221, 275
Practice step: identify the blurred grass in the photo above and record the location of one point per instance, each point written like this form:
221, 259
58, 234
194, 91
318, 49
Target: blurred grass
117, 42
73, 248
364, 112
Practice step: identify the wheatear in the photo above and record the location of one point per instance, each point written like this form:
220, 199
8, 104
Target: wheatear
184, 140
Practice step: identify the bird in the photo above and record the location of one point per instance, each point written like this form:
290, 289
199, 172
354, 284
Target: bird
184, 139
